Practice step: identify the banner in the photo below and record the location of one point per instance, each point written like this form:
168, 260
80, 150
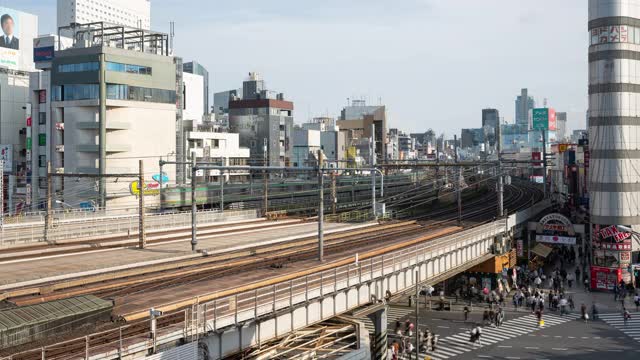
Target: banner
558, 240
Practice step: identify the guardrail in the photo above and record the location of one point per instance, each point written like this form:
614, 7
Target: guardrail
10, 235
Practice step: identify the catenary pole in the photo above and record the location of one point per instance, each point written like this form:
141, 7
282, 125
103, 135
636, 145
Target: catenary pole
320, 208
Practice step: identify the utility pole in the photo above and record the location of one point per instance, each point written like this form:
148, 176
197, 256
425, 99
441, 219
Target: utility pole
265, 189
458, 182
417, 327
372, 153
48, 218
222, 162
334, 194
437, 168
194, 210
142, 239
544, 162
161, 182
320, 208
500, 177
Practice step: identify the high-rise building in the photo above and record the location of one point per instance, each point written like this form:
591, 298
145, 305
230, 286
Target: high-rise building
193, 67
524, 103
131, 13
614, 122
561, 126
264, 120
490, 117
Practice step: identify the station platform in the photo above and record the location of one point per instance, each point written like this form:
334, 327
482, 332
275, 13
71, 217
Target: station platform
33, 272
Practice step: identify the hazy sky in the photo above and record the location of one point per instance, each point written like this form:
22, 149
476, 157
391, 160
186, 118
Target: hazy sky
434, 63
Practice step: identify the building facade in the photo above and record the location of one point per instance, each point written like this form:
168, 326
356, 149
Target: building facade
106, 105
356, 121
130, 13
193, 67
264, 120
614, 125
524, 103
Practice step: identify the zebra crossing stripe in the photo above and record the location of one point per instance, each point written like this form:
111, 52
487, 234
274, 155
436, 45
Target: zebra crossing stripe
631, 328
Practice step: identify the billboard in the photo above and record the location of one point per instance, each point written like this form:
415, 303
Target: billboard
544, 119
43, 48
6, 155
16, 38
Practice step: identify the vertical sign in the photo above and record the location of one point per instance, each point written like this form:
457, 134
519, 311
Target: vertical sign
540, 119
29, 147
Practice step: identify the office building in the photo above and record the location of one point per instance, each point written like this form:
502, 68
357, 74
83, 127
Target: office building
131, 13
524, 103
357, 119
221, 100
490, 118
471, 138
561, 126
193, 107
614, 107
100, 125
193, 67
264, 120
333, 142
16, 61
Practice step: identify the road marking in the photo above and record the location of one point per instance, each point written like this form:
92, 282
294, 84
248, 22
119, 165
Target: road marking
559, 349
585, 337
512, 357
531, 347
485, 356
443, 327
505, 346
615, 350
571, 337
557, 336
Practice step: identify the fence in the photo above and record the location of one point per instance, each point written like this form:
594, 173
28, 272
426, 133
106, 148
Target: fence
122, 225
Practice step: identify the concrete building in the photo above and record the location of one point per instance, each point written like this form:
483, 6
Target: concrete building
490, 118
306, 144
356, 121
524, 103
130, 13
333, 142
221, 100
206, 145
193, 67
561, 126
103, 124
264, 120
16, 139
193, 107
470, 138
614, 125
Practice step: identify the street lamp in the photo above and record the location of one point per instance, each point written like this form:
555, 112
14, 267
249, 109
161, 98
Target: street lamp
63, 204
629, 230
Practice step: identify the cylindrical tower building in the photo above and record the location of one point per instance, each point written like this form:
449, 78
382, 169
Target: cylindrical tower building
614, 135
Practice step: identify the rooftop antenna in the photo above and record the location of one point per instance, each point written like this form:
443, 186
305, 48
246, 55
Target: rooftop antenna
172, 33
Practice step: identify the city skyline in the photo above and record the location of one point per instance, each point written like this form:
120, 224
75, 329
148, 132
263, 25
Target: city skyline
367, 50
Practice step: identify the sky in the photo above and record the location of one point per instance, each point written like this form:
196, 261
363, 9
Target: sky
434, 63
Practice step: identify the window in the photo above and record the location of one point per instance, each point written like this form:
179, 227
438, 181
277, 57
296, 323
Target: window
42, 118
75, 92
135, 93
80, 67
128, 68
42, 96
42, 139
42, 161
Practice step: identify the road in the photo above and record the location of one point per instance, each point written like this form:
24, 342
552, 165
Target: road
520, 338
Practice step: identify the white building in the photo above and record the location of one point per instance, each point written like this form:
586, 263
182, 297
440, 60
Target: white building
221, 148
193, 99
306, 144
131, 13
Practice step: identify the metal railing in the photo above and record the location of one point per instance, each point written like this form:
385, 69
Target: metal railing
124, 225
228, 311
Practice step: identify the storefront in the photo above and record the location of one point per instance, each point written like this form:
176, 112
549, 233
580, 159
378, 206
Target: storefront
611, 257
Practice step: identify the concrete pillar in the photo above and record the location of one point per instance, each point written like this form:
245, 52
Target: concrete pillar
379, 319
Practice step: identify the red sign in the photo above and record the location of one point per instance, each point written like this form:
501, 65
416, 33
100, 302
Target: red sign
536, 155
42, 96
626, 246
555, 227
552, 120
29, 121
605, 278
612, 231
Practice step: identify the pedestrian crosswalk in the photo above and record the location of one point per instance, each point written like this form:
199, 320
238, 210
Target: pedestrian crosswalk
631, 328
393, 314
455, 345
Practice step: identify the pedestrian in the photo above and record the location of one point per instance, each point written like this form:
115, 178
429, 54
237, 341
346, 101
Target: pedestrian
390, 353
570, 280
583, 310
499, 318
586, 284
594, 312
577, 274
537, 282
563, 306
626, 315
636, 300
485, 317
572, 305
466, 313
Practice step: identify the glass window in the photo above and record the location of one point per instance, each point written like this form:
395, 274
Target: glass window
80, 67
129, 68
75, 92
42, 118
135, 93
42, 139
42, 161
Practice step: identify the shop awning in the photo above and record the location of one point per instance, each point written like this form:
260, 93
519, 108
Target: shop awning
541, 250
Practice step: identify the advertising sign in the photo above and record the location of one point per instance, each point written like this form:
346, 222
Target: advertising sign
554, 239
6, 155
43, 54
603, 278
613, 232
520, 247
